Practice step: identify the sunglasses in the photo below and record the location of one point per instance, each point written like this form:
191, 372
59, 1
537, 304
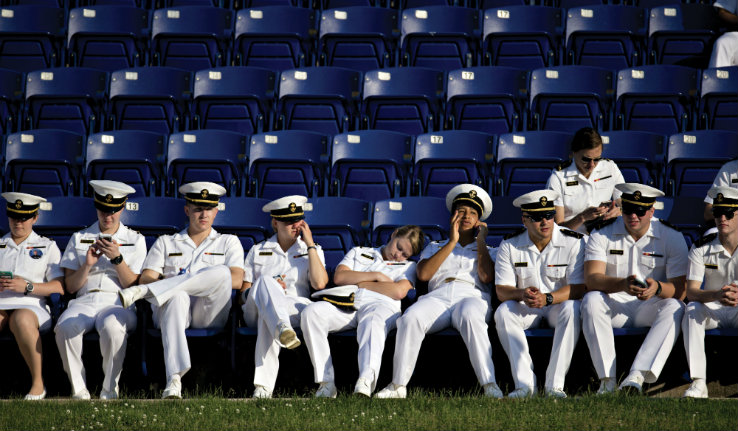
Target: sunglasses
728, 213
638, 210
548, 215
589, 159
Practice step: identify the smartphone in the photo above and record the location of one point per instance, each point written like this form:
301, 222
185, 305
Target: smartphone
606, 204
640, 283
6, 275
105, 237
278, 278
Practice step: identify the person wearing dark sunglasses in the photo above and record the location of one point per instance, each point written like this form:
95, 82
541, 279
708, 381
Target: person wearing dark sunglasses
726, 177
712, 259
634, 269
539, 276
585, 184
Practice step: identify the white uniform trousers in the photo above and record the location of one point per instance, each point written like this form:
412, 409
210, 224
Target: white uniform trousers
266, 306
601, 313
373, 322
456, 304
103, 312
697, 319
512, 318
199, 300
725, 50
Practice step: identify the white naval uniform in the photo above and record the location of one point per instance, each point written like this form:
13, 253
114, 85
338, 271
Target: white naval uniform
195, 292
375, 316
268, 304
577, 193
36, 259
712, 263
98, 307
520, 264
457, 298
660, 254
726, 177
725, 49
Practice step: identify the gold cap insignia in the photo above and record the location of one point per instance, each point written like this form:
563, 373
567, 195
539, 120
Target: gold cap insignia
472, 194
543, 201
637, 195
204, 193
719, 197
18, 204
108, 198
293, 207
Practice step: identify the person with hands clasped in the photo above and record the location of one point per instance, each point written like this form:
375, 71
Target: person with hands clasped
30, 273
279, 273
539, 275
458, 271
634, 269
100, 261
714, 260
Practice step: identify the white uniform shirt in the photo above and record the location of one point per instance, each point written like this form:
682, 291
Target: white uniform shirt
660, 254
266, 259
460, 265
367, 259
577, 193
36, 260
728, 174
520, 264
710, 262
177, 254
729, 5
103, 276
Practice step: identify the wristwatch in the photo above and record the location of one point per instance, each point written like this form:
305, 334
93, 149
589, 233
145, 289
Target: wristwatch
29, 288
549, 299
117, 260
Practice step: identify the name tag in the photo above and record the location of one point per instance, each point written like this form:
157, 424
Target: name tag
734, 180
87, 241
174, 254
572, 183
710, 266
367, 256
265, 253
616, 251
3, 245
521, 264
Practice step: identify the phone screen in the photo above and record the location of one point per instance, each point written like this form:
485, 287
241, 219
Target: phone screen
6, 274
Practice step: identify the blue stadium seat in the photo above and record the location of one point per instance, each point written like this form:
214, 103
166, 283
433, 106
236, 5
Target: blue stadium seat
360, 37
287, 162
149, 98
682, 34
694, 158
486, 99
338, 224
410, 4
684, 213
12, 85
218, 156
335, 4
154, 216
718, 107
44, 162
31, 37
525, 160
108, 37
490, 4
235, 98
526, 37
640, 156
201, 3
567, 98
427, 212
144, 4
444, 159
275, 37
370, 164
659, 99
62, 216
191, 37
505, 219
609, 36
244, 218
66, 98
322, 99
403, 99
134, 157
440, 37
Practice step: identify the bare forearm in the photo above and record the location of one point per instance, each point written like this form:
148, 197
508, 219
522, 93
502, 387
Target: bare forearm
49, 287
75, 279
673, 288
395, 290
347, 276
236, 278
126, 277
605, 283
509, 293
571, 291
149, 276
573, 223
318, 275
485, 265
427, 267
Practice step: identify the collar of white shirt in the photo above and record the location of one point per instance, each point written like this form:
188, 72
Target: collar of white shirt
8, 239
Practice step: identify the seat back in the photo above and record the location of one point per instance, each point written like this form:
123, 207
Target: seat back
694, 158
134, 157
486, 99
108, 37
429, 213
370, 164
66, 98
444, 159
525, 160
191, 37
31, 37
681, 34
567, 98
684, 213
44, 162
440, 37
149, 98
235, 98
359, 37
287, 162
61, 216
522, 36
217, 156
640, 156
403, 99
275, 37
12, 87
505, 219
321, 99
154, 216
659, 99
244, 218
718, 107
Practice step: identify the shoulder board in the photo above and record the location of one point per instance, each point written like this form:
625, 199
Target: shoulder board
569, 232
705, 240
563, 166
605, 223
514, 233
667, 224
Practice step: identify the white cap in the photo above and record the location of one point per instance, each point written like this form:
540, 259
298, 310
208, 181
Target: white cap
22, 205
724, 197
537, 200
345, 291
202, 193
471, 195
110, 196
287, 209
638, 194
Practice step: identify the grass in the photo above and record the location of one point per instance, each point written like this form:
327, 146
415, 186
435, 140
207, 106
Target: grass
421, 411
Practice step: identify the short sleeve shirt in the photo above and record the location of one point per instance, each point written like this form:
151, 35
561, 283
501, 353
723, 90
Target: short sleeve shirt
461, 264
711, 263
728, 174
367, 259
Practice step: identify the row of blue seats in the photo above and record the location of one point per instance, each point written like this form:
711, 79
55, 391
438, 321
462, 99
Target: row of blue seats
360, 37
370, 164
661, 99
